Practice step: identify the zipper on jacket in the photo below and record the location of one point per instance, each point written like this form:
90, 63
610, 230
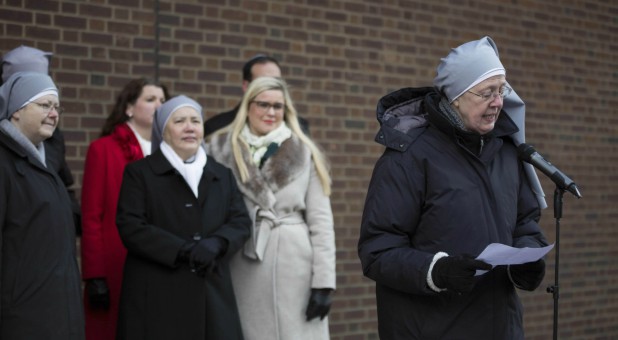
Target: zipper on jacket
482, 144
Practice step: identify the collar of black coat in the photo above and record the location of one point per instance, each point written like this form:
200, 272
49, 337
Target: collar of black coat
405, 114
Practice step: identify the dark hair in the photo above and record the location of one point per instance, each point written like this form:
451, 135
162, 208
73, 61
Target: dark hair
257, 59
128, 96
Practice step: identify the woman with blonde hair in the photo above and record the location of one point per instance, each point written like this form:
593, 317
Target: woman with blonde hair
284, 276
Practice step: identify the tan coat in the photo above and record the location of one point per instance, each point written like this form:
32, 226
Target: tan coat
292, 248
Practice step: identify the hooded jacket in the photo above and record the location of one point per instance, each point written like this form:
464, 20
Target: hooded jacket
439, 189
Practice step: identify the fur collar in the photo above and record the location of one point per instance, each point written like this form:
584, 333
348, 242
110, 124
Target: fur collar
282, 168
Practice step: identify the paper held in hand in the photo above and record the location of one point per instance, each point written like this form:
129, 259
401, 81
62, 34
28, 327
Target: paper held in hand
498, 254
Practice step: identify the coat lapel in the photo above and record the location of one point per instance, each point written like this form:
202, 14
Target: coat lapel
208, 176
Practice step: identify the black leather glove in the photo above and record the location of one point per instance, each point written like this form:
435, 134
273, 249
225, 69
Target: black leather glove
456, 273
205, 251
98, 293
319, 303
528, 276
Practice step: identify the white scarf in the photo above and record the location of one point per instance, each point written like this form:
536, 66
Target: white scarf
191, 172
144, 144
259, 144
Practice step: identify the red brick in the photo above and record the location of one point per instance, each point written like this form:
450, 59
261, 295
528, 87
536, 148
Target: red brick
339, 58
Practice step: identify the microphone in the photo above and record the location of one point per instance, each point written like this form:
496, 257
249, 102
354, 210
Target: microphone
528, 154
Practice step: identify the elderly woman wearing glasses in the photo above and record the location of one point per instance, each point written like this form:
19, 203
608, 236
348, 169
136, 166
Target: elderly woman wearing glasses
285, 274
40, 286
448, 184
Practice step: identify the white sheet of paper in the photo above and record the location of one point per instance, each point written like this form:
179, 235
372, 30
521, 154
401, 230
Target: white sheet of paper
498, 254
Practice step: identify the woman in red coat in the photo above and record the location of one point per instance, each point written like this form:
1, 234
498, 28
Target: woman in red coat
125, 138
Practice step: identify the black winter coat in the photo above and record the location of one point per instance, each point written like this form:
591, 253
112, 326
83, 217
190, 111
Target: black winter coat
157, 214
436, 190
55, 155
40, 281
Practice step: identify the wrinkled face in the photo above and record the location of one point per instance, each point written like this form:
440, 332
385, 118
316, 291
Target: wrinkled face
142, 112
265, 112
478, 114
184, 132
268, 69
38, 120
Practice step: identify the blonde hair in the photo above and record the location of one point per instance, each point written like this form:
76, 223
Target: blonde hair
256, 87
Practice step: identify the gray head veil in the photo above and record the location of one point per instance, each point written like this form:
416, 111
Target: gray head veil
163, 114
20, 88
468, 65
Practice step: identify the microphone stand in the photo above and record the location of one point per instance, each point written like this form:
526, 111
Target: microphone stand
555, 288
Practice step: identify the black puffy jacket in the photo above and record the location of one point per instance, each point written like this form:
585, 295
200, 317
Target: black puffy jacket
436, 189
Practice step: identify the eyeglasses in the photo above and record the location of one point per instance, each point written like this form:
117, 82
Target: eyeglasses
265, 106
487, 96
47, 108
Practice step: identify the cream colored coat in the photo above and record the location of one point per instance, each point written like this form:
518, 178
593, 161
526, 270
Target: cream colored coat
292, 248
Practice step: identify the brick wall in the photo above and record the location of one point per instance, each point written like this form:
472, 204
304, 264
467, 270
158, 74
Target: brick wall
341, 57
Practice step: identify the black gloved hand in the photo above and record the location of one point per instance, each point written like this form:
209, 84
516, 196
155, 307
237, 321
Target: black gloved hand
319, 303
528, 276
456, 273
184, 254
205, 251
98, 293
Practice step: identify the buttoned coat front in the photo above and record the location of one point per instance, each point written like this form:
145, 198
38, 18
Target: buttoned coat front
157, 214
292, 248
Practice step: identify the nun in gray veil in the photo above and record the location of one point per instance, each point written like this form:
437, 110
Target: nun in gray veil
181, 217
448, 184
39, 277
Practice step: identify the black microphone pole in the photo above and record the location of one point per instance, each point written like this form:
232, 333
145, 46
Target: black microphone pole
555, 288
563, 183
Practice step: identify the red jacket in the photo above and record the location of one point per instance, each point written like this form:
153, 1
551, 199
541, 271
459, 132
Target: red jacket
103, 253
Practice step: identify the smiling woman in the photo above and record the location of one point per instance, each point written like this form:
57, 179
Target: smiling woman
34, 108
39, 273
38, 120
285, 275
